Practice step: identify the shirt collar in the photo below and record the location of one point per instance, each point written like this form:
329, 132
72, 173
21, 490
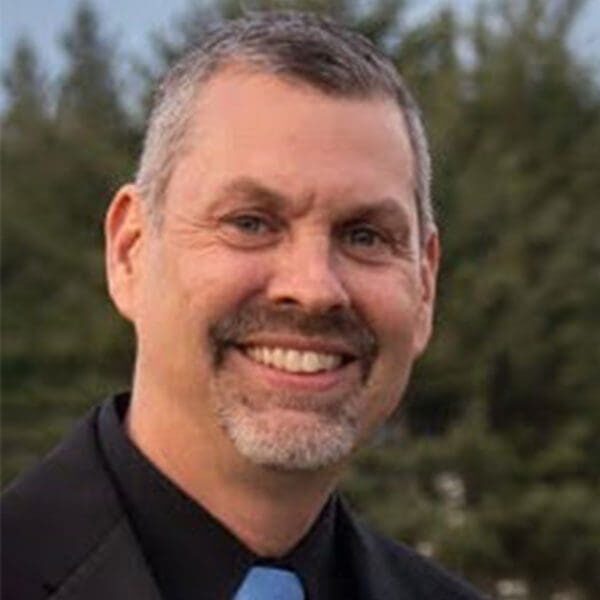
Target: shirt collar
188, 549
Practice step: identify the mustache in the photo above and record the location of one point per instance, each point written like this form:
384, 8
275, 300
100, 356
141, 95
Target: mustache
342, 325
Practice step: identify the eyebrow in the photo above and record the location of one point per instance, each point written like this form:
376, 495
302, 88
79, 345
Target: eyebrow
251, 190
385, 209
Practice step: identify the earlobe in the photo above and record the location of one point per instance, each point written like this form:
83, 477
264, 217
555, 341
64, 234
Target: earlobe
123, 229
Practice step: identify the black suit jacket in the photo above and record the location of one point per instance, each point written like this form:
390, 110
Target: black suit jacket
65, 535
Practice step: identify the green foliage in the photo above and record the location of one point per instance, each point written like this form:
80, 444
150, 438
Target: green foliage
26, 90
62, 344
88, 99
493, 465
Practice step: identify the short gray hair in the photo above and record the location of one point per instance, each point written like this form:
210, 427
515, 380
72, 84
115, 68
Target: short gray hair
297, 46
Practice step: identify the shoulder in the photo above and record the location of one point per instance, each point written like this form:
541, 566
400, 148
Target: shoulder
397, 571
55, 515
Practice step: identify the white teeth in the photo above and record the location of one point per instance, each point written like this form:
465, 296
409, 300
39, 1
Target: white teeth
278, 358
310, 361
294, 361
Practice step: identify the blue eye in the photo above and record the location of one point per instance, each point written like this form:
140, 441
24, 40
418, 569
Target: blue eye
250, 224
250, 230
363, 236
366, 242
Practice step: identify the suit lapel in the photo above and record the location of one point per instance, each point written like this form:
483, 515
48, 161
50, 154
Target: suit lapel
68, 535
375, 576
116, 569
386, 570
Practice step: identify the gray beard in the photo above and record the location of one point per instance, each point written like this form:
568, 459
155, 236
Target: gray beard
282, 436
289, 431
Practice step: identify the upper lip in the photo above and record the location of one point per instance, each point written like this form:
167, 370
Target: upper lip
303, 344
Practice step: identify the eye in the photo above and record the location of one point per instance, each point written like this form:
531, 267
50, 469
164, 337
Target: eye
366, 242
249, 230
363, 236
249, 224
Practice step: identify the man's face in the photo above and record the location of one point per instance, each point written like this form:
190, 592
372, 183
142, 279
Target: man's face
285, 296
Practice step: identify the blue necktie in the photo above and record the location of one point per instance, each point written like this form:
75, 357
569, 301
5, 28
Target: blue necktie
268, 583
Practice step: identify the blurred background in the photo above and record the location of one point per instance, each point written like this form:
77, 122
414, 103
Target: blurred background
493, 464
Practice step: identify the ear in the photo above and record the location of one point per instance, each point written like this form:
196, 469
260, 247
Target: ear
429, 264
124, 228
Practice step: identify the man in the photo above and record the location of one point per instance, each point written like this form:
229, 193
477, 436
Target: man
277, 257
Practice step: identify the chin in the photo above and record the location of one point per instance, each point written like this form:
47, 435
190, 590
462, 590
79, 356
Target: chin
289, 439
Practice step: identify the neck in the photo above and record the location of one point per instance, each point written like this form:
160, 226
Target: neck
268, 510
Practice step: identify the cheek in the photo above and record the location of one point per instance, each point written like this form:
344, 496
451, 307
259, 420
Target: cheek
389, 302
184, 295
217, 283
394, 304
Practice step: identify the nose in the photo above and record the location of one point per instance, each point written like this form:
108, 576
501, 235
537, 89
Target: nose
305, 275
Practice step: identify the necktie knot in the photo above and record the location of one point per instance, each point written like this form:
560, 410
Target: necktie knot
269, 583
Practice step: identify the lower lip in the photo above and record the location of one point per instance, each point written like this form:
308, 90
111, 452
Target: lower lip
321, 381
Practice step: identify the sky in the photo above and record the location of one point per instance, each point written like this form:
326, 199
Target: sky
129, 22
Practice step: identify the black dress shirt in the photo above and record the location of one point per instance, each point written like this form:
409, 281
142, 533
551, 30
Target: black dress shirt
192, 555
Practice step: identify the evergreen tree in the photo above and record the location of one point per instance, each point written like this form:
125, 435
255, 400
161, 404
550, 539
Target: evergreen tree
25, 88
62, 343
88, 99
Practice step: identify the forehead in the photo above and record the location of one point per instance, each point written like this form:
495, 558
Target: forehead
295, 138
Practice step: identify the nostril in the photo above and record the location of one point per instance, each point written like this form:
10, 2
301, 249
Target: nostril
313, 285
287, 301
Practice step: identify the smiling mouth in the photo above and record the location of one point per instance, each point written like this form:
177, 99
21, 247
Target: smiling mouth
290, 360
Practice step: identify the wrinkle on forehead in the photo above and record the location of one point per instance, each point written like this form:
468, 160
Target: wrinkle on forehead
239, 89
250, 190
248, 123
